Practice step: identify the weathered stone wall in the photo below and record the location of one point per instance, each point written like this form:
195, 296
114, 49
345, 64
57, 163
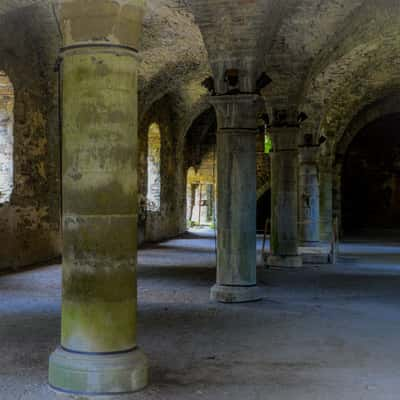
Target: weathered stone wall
170, 220
205, 172
29, 222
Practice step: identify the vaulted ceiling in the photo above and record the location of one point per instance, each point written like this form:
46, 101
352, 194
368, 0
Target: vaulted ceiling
328, 58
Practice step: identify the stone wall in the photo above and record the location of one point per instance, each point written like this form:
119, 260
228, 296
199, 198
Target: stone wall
29, 222
170, 219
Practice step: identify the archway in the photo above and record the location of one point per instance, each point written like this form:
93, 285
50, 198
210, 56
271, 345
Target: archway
154, 168
201, 172
371, 179
6, 138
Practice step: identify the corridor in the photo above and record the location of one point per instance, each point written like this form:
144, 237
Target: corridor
321, 333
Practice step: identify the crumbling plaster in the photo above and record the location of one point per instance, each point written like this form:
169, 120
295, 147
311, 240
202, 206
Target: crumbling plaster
29, 223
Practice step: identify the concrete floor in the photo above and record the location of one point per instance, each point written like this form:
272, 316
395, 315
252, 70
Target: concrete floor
319, 334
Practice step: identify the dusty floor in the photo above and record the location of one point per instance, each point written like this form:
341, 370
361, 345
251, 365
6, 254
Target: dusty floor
320, 334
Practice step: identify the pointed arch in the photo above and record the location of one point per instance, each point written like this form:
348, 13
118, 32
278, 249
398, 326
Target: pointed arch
6, 138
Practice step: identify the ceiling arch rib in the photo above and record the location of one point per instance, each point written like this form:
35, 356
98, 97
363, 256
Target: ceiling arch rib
360, 66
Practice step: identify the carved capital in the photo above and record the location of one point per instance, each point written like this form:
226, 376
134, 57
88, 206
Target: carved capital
285, 138
308, 154
235, 74
238, 112
100, 22
285, 117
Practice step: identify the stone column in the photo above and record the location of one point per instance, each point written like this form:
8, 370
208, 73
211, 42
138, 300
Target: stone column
337, 197
326, 203
284, 201
309, 213
98, 353
236, 204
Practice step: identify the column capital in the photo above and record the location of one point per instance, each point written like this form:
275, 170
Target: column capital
325, 165
238, 111
285, 137
285, 116
100, 22
308, 154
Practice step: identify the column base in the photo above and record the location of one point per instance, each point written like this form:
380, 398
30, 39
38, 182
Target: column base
235, 294
93, 375
285, 261
310, 244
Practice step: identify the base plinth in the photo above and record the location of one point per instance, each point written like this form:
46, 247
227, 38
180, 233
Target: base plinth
235, 294
95, 375
310, 244
285, 261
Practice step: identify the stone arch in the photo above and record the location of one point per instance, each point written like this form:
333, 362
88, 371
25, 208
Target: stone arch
355, 68
153, 197
379, 109
6, 138
369, 171
165, 218
383, 107
201, 131
200, 155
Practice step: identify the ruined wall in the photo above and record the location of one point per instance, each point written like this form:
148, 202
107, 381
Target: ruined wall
29, 222
170, 220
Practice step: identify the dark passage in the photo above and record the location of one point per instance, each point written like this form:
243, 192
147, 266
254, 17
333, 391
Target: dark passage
371, 178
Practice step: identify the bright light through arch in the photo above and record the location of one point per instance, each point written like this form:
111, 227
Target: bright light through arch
6, 138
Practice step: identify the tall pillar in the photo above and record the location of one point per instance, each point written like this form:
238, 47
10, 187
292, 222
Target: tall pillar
337, 197
309, 212
236, 204
284, 201
326, 202
98, 353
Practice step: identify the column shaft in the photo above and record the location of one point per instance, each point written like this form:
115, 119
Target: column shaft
98, 353
326, 203
99, 201
236, 198
236, 208
284, 201
309, 211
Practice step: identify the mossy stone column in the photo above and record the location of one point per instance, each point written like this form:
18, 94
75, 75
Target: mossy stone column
98, 353
309, 214
326, 203
284, 201
236, 204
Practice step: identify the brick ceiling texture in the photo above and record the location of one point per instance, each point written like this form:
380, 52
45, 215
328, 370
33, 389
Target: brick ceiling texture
328, 58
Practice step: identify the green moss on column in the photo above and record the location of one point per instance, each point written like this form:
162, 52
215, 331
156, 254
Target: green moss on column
99, 202
99, 354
